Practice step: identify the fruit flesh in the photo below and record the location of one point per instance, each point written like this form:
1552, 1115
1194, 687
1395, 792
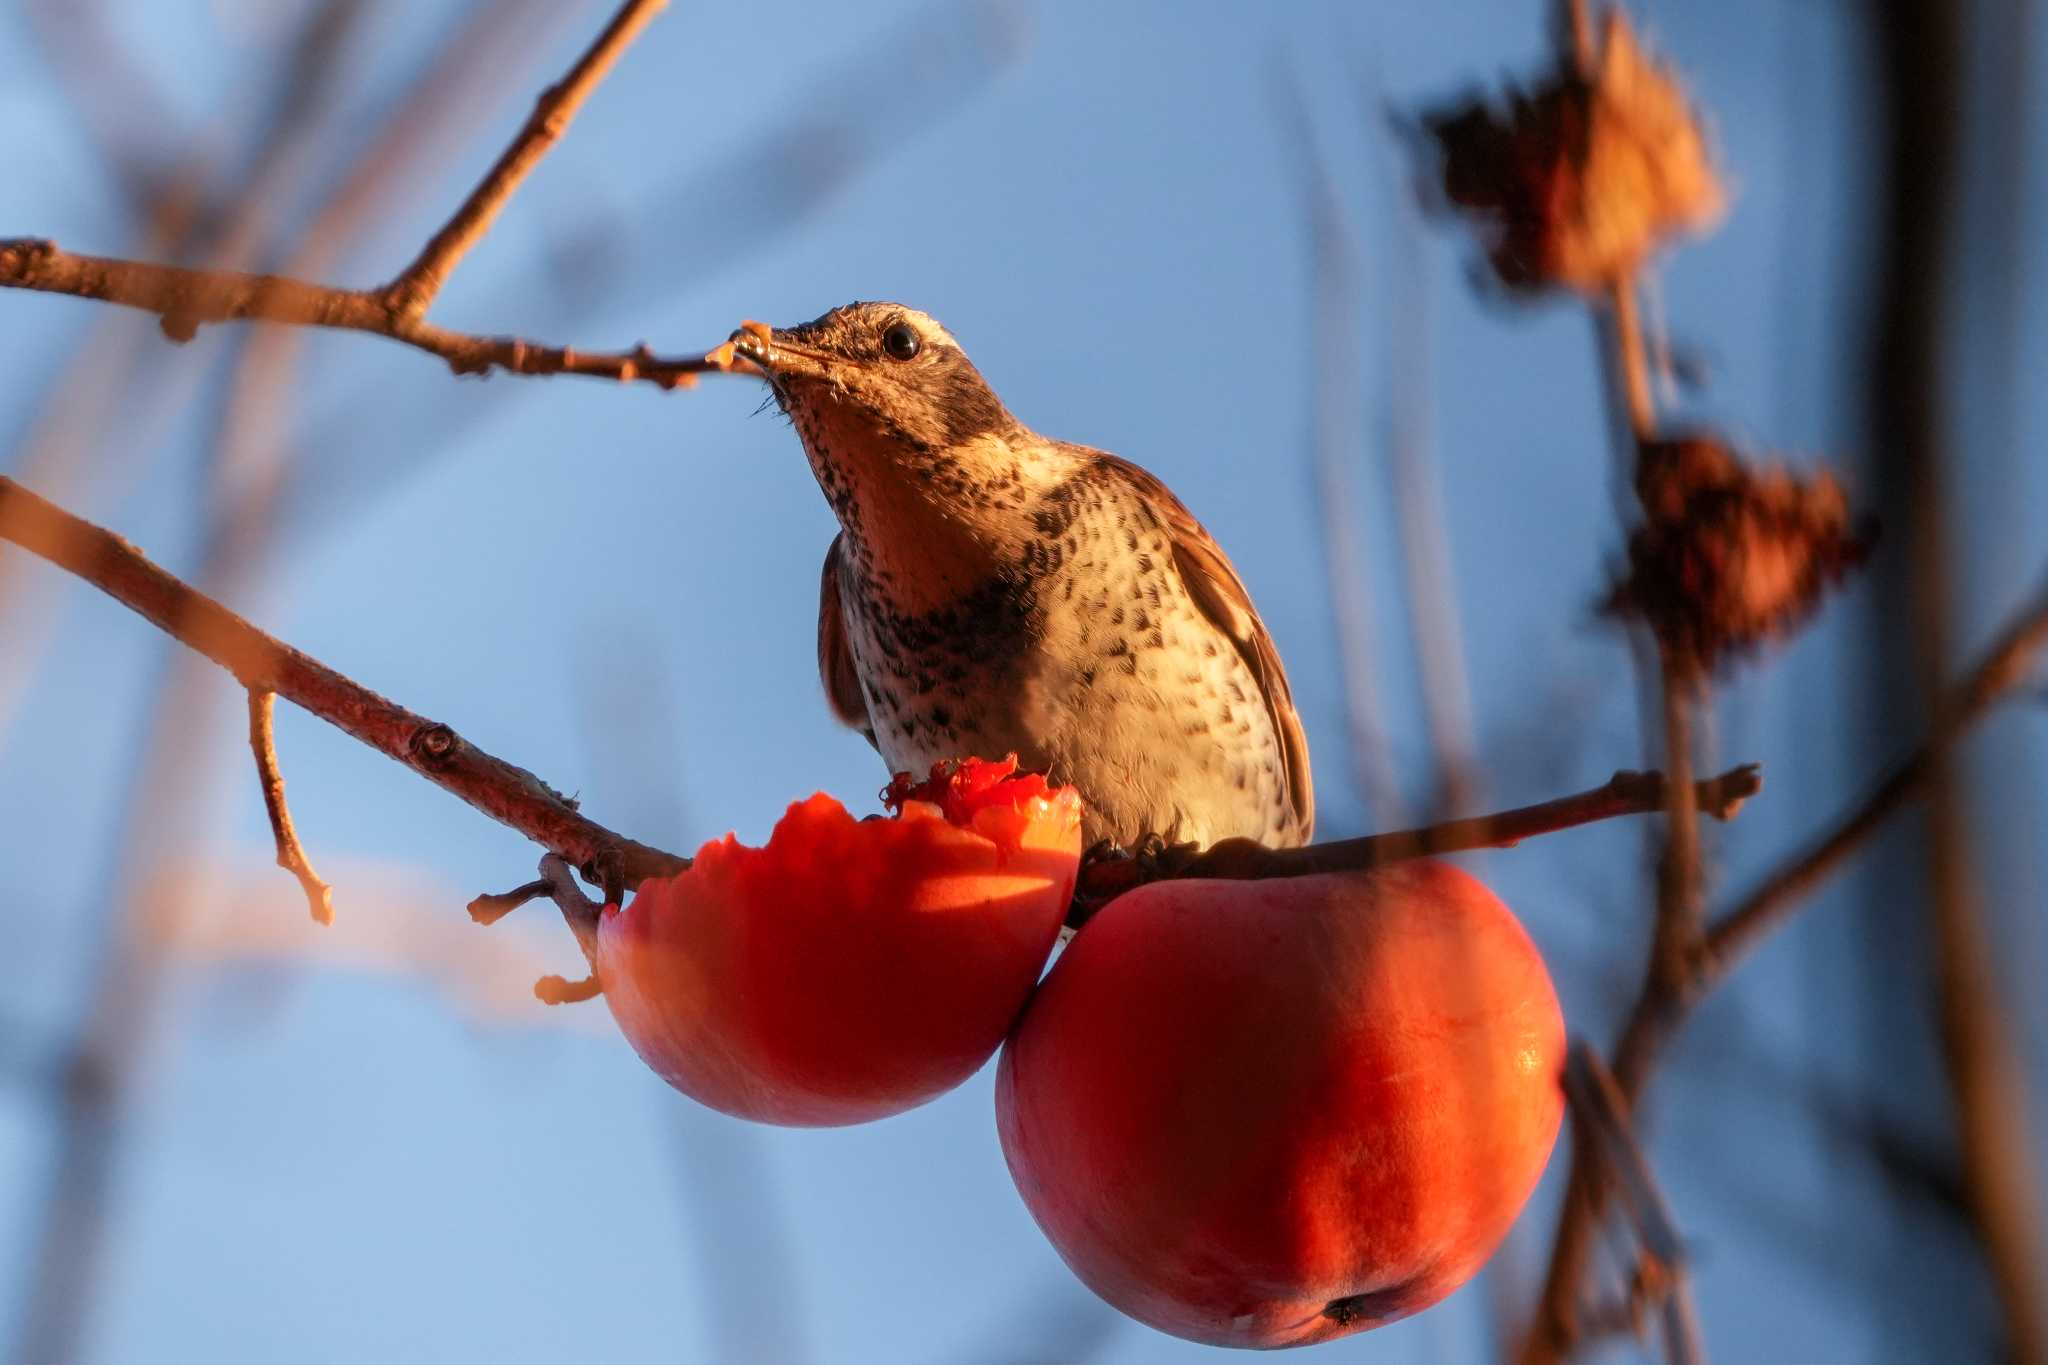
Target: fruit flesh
1271, 1113
847, 969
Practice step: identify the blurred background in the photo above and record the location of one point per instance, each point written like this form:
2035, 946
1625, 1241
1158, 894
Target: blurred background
1183, 232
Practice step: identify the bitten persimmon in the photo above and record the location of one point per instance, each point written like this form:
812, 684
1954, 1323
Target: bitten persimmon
1271, 1113
847, 969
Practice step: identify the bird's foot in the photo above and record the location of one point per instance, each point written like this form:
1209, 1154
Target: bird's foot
1108, 869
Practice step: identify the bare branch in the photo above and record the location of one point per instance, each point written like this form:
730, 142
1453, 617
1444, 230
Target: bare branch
1626, 793
186, 299
1631, 360
291, 856
415, 288
1676, 939
491, 907
508, 794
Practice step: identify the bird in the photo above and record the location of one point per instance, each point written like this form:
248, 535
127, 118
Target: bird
993, 591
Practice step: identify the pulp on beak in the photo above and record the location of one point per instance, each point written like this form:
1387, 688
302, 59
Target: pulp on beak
773, 354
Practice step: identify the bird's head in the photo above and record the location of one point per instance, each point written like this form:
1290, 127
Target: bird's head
909, 443
879, 366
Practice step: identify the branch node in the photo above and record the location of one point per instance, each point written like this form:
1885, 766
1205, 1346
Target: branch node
433, 743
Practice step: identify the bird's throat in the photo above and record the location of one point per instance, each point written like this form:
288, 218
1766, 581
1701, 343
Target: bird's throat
924, 528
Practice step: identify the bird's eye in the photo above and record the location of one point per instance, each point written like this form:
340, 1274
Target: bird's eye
901, 341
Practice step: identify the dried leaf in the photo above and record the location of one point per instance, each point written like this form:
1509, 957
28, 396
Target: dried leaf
1579, 182
1729, 557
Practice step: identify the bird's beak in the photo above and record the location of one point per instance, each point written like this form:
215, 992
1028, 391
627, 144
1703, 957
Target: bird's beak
776, 355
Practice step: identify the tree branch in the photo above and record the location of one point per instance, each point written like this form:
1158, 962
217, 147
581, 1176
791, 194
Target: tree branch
508, 794
185, 299
516, 798
416, 287
1626, 793
291, 856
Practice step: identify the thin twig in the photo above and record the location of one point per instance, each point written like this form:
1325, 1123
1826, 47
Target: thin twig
291, 855
417, 285
1578, 35
508, 794
1630, 356
186, 299
581, 914
1678, 929
493, 906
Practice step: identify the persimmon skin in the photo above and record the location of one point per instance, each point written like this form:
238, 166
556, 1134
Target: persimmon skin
847, 969
1277, 1112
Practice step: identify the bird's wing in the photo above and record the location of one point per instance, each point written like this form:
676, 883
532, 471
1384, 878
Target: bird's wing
1220, 595
835, 661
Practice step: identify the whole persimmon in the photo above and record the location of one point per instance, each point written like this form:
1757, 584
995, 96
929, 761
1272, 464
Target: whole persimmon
1269, 1113
847, 969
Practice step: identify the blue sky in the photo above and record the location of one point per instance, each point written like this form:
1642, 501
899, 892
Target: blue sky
329, 1157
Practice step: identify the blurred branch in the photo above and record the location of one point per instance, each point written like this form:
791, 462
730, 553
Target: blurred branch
1676, 934
1420, 526
1926, 81
134, 132
1631, 358
1336, 445
1600, 1110
2003, 670
291, 856
1659, 1010
64, 442
508, 794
